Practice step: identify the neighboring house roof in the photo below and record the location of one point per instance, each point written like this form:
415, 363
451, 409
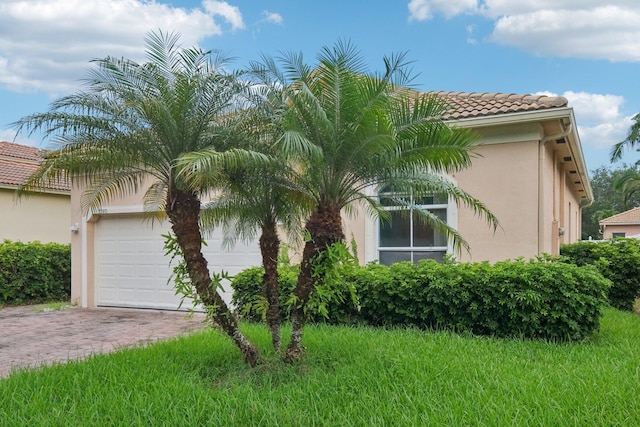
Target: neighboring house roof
630, 217
472, 104
18, 162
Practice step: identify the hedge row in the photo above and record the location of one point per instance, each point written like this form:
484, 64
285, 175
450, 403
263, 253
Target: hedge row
249, 298
536, 299
618, 260
34, 272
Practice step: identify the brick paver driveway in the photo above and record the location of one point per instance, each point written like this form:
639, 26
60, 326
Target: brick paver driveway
30, 338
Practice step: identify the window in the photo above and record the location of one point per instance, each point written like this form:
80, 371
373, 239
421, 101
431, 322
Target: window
614, 235
406, 237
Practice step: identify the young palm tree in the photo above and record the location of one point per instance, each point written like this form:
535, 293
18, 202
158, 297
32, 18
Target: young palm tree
131, 125
347, 131
252, 201
255, 199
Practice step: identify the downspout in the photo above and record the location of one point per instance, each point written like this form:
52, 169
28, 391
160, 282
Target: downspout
541, 157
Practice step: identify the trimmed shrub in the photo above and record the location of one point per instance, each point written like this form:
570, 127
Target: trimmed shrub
332, 303
618, 260
535, 299
542, 298
34, 272
248, 291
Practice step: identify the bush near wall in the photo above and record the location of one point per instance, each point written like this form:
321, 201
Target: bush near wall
248, 296
34, 272
618, 260
536, 299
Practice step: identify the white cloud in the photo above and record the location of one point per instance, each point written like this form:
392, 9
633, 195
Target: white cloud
421, 10
230, 13
47, 45
600, 122
565, 28
600, 33
271, 17
10, 135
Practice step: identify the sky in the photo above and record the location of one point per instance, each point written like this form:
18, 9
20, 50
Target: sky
585, 50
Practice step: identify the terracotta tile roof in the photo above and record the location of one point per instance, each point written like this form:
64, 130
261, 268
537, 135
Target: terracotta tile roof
631, 216
17, 151
18, 162
472, 104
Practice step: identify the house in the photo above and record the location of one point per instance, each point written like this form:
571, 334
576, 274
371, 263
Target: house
624, 224
44, 216
529, 171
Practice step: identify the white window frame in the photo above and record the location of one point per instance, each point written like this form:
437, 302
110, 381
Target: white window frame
372, 231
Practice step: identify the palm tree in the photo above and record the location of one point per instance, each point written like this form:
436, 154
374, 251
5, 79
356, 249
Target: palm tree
346, 131
130, 126
253, 200
254, 197
631, 141
629, 184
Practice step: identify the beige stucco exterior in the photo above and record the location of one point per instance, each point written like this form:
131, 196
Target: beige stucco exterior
628, 230
43, 216
530, 173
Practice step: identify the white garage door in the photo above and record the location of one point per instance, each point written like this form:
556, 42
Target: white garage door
132, 271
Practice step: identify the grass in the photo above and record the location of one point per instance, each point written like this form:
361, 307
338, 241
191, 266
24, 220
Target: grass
351, 377
40, 307
53, 306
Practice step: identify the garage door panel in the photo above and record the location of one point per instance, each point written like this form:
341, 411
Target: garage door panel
131, 269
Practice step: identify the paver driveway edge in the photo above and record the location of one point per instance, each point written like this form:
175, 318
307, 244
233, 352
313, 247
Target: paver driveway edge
30, 338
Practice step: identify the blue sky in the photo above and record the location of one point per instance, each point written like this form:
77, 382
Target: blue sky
585, 50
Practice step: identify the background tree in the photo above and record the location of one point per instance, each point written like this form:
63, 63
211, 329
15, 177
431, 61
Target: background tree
347, 131
629, 184
608, 200
131, 125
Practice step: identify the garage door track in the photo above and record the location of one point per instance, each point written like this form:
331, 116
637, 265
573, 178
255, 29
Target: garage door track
30, 338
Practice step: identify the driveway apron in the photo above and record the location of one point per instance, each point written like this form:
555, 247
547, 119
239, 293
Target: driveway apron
29, 338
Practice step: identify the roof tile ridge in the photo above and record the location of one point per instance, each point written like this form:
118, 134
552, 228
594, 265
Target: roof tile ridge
620, 214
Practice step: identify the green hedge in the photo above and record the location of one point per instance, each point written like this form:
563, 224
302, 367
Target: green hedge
34, 272
618, 260
536, 299
248, 296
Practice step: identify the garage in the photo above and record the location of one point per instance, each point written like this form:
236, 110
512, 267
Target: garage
132, 271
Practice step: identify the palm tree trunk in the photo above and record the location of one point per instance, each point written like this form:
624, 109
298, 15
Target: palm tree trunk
324, 228
269, 248
183, 210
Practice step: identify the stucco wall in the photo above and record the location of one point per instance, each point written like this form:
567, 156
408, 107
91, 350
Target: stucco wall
525, 183
629, 230
505, 178
43, 217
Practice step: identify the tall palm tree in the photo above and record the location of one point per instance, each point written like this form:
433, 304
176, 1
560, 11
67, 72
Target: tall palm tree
631, 141
346, 131
130, 126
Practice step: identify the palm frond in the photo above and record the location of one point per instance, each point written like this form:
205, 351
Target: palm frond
110, 187
632, 141
204, 169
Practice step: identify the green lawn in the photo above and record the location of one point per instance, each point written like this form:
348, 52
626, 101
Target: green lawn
351, 377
